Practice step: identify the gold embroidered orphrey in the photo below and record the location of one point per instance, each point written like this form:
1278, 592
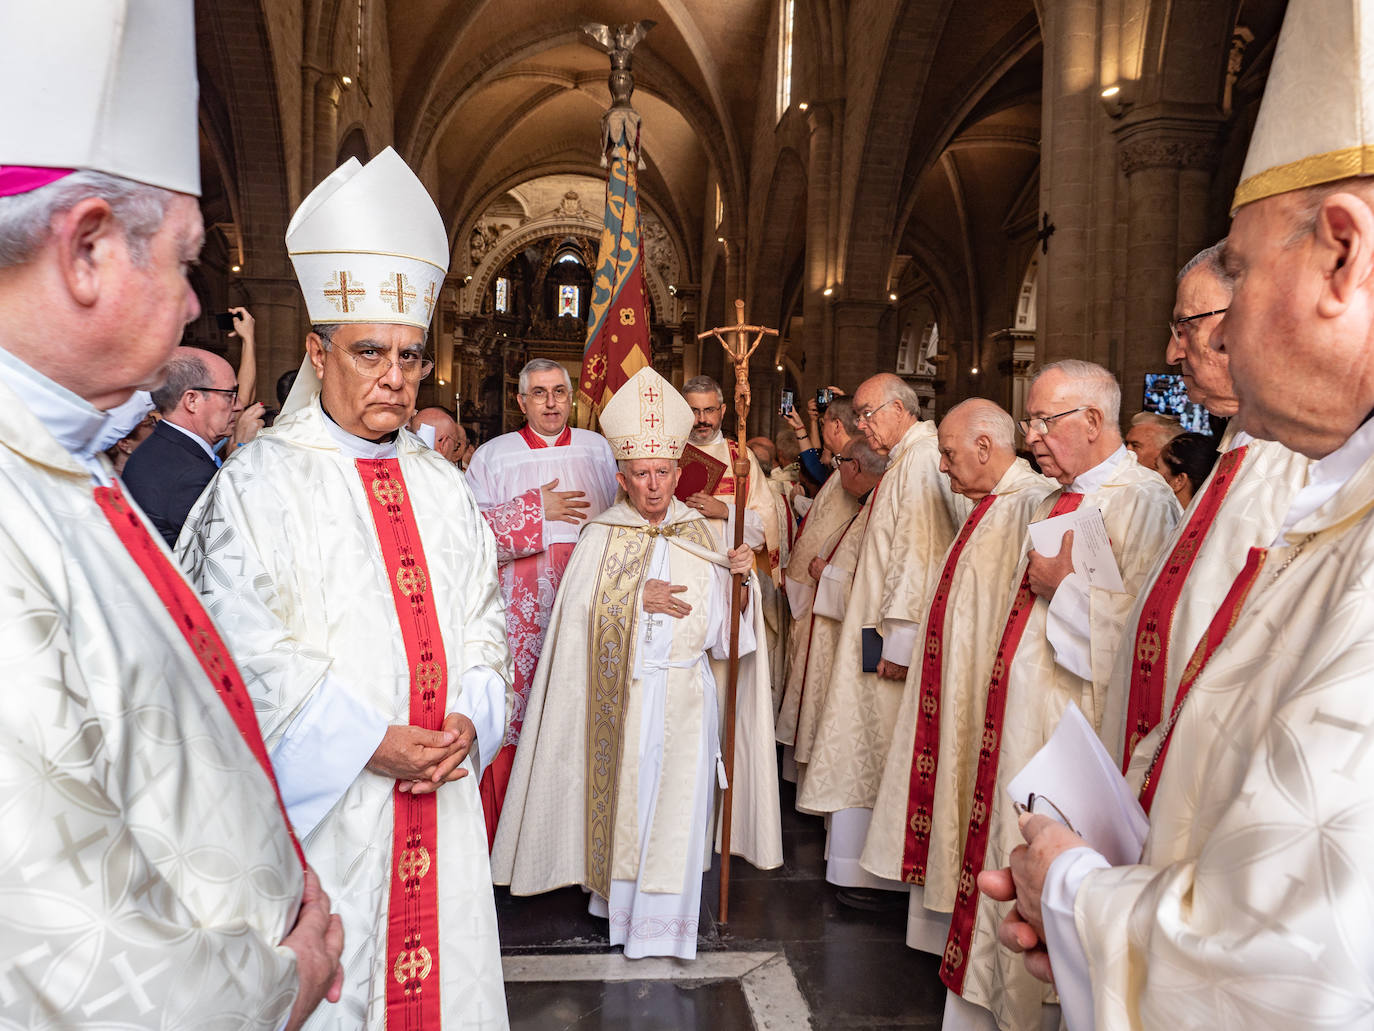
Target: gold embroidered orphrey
611, 632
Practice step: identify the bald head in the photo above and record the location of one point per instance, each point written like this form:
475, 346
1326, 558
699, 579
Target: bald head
445, 430
977, 446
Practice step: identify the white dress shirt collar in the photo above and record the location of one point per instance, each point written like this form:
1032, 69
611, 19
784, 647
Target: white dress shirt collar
1098, 476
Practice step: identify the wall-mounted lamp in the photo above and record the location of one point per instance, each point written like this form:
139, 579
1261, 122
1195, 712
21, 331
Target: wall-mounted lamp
828, 291
803, 106
1115, 99
672, 289
720, 239
235, 268
466, 280
891, 297
346, 81
974, 370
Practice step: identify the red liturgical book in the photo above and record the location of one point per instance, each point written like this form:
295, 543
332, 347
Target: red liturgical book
700, 472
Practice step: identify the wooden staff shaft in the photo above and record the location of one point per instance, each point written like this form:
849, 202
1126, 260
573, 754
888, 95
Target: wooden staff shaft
741, 471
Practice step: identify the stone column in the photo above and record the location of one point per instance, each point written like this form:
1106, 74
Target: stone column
1163, 159
1070, 119
325, 127
815, 338
281, 325
860, 350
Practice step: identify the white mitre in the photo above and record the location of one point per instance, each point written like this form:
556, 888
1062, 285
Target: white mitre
105, 85
368, 246
646, 418
1316, 122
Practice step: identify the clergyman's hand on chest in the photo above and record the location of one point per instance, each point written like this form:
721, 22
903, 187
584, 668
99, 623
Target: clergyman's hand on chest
661, 596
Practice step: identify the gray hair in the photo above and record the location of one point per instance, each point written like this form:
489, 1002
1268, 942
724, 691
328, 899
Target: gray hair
842, 411
870, 462
988, 419
1209, 258
703, 385
623, 464
1098, 386
326, 330
1166, 422
186, 371
26, 219
542, 365
895, 388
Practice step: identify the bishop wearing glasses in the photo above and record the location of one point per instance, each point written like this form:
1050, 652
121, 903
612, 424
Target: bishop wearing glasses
1057, 645
355, 582
536, 487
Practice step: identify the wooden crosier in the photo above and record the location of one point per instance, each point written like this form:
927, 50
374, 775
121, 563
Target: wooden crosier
739, 354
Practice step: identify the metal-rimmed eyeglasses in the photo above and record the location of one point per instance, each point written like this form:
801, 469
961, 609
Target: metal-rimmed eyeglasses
1029, 807
370, 361
539, 395
1176, 325
1042, 425
867, 414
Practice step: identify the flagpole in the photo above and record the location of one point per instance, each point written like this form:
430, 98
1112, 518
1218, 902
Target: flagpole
739, 354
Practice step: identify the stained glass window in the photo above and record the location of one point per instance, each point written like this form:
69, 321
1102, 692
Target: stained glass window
567, 300
503, 295
785, 12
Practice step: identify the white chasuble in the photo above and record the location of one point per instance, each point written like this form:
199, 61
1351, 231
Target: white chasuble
1205, 556
146, 871
1250, 907
284, 549
841, 554
1140, 513
632, 816
958, 653
913, 518
832, 509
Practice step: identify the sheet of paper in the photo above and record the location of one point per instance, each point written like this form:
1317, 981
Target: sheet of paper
1075, 782
427, 433
1092, 548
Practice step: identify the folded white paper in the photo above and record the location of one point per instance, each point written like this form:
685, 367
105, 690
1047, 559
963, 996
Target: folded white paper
428, 434
1075, 782
832, 592
1092, 548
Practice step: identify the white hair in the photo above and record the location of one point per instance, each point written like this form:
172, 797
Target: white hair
542, 365
985, 418
894, 388
1096, 386
870, 462
26, 218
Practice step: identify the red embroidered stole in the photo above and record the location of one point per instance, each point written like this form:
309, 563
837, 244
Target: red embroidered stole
412, 945
952, 968
1155, 629
925, 753
535, 441
194, 623
726, 487
1217, 630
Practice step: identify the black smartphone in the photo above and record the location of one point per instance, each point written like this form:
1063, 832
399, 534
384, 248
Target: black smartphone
823, 399
789, 403
225, 321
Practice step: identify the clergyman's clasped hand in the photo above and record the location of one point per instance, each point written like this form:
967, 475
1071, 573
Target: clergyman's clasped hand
420, 760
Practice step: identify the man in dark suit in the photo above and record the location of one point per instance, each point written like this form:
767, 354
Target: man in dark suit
198, 402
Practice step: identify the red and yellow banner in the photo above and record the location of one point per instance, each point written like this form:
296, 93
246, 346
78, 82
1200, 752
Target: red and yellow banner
618, 324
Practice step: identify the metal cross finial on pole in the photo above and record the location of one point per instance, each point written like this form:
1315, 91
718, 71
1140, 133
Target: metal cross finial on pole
739, 353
